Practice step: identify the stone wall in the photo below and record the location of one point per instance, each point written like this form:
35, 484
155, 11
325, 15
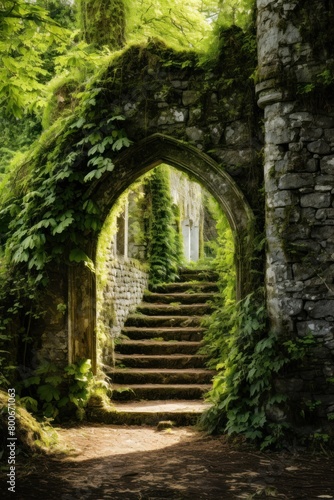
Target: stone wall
299, 185
126, 281
54, 339
212, 108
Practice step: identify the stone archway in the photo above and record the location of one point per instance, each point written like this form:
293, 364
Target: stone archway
129, 166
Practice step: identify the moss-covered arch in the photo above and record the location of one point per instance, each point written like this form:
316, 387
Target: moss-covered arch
129, 166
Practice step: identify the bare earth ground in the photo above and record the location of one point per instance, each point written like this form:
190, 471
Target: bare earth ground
141, 463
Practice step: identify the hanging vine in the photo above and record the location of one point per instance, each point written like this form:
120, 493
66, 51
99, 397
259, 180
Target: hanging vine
163, 244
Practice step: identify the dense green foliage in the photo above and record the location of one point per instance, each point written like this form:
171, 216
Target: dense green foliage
248, 357
102, 22
184, 24
26, 34
54, 393
163, 244
46, 215
17, 135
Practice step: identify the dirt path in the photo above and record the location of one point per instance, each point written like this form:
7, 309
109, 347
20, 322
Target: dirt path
141, 463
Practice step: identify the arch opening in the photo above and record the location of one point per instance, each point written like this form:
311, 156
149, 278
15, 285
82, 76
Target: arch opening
163, 226
130, 166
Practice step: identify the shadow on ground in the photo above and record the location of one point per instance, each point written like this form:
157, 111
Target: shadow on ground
139, 463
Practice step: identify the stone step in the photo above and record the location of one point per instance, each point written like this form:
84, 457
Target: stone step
164, 348
175, 309
179, 412
187, 287
192, 334
143, 320
197, 275
182, 298
129, 376
159, 391
178, 361
157, 359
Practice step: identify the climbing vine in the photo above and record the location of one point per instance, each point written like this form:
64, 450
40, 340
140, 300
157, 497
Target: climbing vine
163, 243
248, 356
46, 214
244, 395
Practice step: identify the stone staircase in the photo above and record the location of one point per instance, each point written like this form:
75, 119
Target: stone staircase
159, 374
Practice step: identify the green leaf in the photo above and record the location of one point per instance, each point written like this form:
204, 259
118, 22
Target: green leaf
30, 403
66, 220
79, 123
77, 255
48, 392
35, 380
63, 402
54, 380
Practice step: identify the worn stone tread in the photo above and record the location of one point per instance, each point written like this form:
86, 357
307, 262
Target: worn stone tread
144, 371
178, 406
159, 391
166, 361
155, 347
164, 376
168, 333
184, 298
187, 286
158, 321
159, 359
175, 309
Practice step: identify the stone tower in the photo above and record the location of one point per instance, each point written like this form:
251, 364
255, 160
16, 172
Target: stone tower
295, 53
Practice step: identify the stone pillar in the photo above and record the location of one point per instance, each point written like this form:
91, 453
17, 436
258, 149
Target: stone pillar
299, 186
194, 245
186, 239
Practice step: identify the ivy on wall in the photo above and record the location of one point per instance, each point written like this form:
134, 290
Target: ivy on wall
163, 243
248, 356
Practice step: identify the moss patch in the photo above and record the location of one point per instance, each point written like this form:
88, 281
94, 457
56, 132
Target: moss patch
32, 436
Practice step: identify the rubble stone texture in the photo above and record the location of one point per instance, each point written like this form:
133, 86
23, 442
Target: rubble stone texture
299, 185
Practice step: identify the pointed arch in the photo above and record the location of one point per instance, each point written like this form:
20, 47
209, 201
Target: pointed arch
129, 166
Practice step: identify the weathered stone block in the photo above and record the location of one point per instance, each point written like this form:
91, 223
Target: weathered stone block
172, 116
301, 118
292, 307
280, 199
320, 147
190, 97
320, 308
318, 328
237, 133
239, 157
312, 165
325, 213
194, 134
310, 134
316, 200
323, 233
329, 136
216, 132
279, 132
323, 121
294, 181
327, 165
302, 272
297, 231
296, 146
